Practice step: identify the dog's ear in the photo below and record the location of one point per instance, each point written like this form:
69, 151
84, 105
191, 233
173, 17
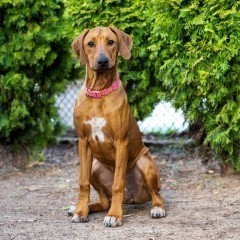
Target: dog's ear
77, 46
125, 42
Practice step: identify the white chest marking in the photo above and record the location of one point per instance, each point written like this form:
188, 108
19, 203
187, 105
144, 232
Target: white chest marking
97, 124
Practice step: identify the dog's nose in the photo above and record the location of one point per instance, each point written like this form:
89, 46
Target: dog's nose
102, 60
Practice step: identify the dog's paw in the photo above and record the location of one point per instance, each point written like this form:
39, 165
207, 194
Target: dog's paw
71, 210
157, 212
111, 221
76, 219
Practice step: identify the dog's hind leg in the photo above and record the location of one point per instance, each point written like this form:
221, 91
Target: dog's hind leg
149, 170
101, 180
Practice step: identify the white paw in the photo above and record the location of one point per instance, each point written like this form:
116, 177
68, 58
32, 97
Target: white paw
157, 212
111, 221
77, 219
71, 210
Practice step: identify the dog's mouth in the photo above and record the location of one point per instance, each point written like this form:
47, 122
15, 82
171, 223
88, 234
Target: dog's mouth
102, 68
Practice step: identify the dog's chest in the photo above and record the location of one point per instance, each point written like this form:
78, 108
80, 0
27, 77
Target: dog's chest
99, 122
95, 120
100, 138
96, 124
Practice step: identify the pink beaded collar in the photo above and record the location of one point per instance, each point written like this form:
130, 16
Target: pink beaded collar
104, 92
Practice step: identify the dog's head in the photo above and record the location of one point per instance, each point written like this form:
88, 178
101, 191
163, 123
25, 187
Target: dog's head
100, 46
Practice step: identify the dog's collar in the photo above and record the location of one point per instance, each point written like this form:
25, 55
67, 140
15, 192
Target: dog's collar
104, 92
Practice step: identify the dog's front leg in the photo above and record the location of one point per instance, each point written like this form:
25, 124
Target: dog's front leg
81, 213
115, 214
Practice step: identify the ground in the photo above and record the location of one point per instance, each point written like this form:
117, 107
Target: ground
200, 203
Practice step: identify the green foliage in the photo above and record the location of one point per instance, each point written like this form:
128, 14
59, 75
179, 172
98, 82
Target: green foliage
195, 47
132, 17
34, 65
186, 52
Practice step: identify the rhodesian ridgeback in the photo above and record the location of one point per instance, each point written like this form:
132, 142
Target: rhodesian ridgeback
113, 158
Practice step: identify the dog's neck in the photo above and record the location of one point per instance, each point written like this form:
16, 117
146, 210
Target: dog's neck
97, 81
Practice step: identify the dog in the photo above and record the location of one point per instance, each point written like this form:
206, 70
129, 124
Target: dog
113, 158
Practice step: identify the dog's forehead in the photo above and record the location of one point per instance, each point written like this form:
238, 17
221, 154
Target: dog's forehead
101, 32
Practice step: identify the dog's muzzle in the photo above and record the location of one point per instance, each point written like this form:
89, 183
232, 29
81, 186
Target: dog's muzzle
102, 63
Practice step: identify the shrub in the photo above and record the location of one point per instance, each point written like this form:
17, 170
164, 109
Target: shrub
195, 47
186, 52
132, 17
34, 65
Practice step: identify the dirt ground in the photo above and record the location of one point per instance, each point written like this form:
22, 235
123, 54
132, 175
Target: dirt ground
200, 203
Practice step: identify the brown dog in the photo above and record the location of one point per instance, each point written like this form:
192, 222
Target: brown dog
113, 157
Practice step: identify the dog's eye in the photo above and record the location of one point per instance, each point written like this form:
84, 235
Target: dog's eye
90, 44
110, 42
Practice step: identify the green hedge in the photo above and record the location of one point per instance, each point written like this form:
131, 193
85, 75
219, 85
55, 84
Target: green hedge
186, 52
35, 63
195, 47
